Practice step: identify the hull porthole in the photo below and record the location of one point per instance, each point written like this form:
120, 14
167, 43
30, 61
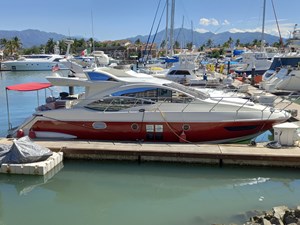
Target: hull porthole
99, 125
134, 126
186, 127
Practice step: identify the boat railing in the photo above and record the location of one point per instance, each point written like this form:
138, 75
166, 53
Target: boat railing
116, 103
130, 104
289, 100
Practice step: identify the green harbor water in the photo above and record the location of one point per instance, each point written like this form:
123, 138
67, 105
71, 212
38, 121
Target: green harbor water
128, 193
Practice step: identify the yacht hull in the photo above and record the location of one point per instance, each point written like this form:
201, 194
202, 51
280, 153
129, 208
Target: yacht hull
154, 131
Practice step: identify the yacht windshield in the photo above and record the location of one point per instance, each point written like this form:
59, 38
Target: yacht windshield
188, 90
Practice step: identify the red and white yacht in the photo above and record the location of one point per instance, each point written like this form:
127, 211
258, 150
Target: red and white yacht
123, 105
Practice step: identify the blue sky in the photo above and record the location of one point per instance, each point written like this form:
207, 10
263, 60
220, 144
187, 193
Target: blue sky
119, 19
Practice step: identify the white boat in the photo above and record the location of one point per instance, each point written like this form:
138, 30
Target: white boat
260, 61
38, 62
186, 71
283, 74
286, 79
291, 82
125, 106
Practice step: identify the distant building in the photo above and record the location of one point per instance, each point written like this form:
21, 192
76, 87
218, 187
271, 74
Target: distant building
124, 49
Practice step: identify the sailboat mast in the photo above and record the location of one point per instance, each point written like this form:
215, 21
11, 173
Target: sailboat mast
263, 26
172, 27
192, 30
167, 24
93, 30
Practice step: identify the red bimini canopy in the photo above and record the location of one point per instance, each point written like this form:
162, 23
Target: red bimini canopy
32, 86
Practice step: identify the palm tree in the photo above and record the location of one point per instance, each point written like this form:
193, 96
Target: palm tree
230, 41
3, 42
189, 45
255, 42
209, 43
16, 43
49, 48
163, 44
237, 42
62, 47
176, 45
201, 48
226, 44
138, 42
10, 47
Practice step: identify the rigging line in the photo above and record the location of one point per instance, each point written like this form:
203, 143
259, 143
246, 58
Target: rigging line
152, 26
280, 38
176, 40
156, 31
171, 129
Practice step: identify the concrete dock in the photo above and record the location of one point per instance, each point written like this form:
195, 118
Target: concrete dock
217, 154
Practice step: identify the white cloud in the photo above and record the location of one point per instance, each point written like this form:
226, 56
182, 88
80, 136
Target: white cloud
201, 30
237, 30
285, 30
225, 22
211, 21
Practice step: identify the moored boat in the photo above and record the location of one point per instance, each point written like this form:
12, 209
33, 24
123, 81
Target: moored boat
39, 62
118, 106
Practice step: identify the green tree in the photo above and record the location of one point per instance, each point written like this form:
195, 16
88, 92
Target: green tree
215, 54
9, 47
62, 47
201, 48
49, 48
189, 45
16, 42
163, 44
3, 42
255, 42
138, 42
226, 45
237, 42
209, 43
176, 45
32, 50
230, 41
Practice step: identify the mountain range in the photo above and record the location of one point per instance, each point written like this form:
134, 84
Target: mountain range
184, 36
33, 37
30, 37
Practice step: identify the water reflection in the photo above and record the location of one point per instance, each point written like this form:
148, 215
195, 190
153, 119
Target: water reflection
151, 193
24, 184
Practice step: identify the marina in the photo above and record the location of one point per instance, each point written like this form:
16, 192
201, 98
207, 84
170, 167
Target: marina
126, 132
113, 171
170, 128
